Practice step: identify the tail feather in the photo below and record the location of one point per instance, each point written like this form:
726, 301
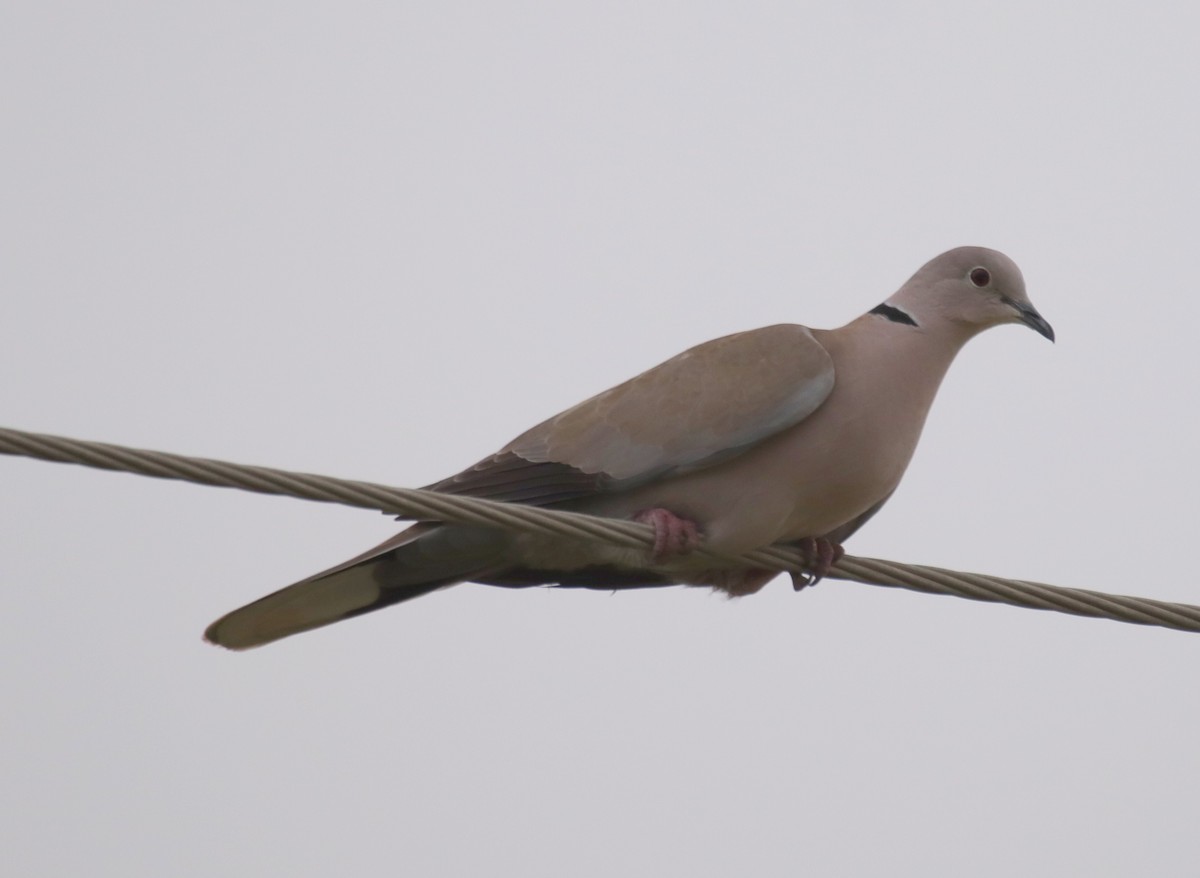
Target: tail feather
420, 560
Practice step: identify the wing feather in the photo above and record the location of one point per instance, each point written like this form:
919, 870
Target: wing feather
697, 409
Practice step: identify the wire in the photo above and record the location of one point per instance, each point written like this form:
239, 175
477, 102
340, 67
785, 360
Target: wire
429, 505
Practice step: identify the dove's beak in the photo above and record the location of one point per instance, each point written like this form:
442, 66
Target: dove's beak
1029, 315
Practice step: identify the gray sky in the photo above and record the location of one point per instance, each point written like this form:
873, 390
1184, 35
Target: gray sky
379, 240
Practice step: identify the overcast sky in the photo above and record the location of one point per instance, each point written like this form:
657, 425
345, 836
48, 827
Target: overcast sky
378, 240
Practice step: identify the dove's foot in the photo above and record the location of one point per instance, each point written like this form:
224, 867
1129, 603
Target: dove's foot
819, 557
672, 535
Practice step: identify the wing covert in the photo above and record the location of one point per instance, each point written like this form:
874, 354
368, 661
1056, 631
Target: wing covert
702, 406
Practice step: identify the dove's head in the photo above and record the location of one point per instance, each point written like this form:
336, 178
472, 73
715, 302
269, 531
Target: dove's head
971, 289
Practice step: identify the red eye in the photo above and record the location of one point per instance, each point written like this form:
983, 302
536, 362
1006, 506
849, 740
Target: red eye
980, 277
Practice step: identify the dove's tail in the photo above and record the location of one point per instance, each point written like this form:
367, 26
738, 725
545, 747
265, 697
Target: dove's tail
422, 559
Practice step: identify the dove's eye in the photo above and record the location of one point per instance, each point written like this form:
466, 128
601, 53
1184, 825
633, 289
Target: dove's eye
981, 277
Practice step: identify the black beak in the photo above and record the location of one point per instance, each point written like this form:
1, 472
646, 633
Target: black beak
1029, 315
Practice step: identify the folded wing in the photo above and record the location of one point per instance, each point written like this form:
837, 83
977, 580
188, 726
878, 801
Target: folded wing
697, 409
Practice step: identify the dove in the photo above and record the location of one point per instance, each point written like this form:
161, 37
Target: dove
782, 434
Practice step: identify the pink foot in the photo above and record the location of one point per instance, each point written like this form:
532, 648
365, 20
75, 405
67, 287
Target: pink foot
672, 535
819, 557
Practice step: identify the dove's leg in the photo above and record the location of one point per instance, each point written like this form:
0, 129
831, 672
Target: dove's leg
672, 535
820, 556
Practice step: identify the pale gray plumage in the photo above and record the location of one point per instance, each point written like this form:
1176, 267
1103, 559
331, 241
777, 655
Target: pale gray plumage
772, 435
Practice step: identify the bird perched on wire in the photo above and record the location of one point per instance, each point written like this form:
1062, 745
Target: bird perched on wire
783, 434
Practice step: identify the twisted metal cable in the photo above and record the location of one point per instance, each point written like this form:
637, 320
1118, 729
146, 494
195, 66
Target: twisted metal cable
428, 505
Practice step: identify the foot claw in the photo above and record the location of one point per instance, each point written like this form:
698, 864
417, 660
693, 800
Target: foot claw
672, 535
819, 557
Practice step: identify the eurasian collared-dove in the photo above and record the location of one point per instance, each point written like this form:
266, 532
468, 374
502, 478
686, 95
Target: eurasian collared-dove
780, 434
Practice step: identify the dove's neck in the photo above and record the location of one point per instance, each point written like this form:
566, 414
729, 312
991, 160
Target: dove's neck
893, 369
938, 313
897, 334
